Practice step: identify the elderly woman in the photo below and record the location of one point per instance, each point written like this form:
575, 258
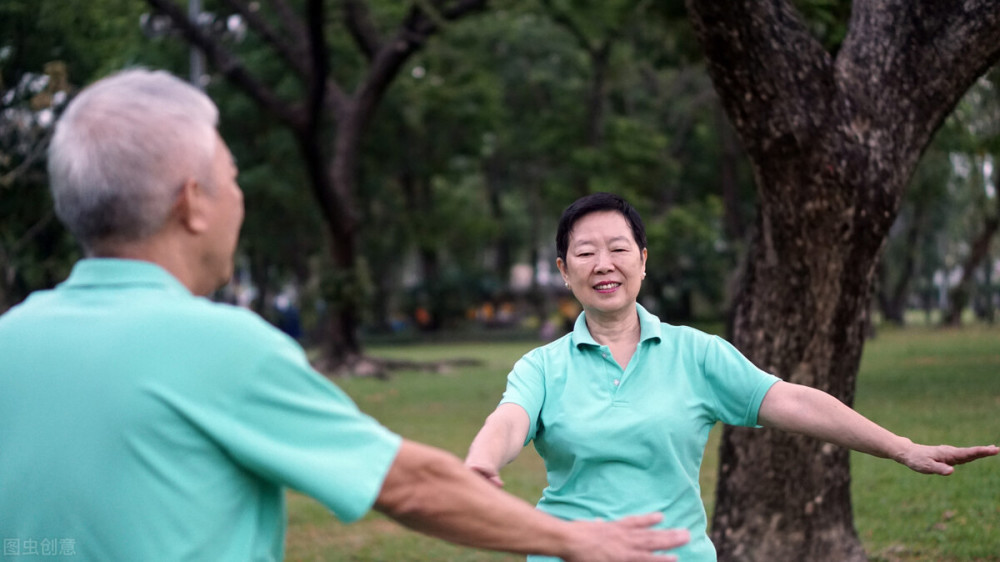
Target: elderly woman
621, 407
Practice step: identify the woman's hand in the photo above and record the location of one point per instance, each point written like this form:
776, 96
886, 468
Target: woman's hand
498, 442
486, 472
805, 410
941, 459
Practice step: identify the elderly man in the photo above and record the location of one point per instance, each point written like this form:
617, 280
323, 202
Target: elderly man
140, 421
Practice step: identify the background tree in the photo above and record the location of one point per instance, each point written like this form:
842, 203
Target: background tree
833, 140
910, 256
328, 112
976, 126
48, 49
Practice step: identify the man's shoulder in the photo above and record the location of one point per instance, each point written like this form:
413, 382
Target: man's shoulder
221, 319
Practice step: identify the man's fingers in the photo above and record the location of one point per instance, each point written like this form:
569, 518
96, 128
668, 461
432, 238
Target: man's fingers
644, 520
655, 539
667, 539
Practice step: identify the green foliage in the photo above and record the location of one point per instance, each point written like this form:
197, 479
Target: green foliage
48, 50
827, 19
688, 260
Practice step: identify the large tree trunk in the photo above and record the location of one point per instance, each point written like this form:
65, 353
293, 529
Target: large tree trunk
832, 144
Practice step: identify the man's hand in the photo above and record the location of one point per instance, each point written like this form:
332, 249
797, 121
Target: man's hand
431, 491
626, 540
941, 459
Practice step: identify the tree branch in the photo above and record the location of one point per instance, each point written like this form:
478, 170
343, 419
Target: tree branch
563, 19
37, 153
763, 60
291, 48
361, 27
319, 70
426, 24
289, 19
932, 53
231, 67
417, 27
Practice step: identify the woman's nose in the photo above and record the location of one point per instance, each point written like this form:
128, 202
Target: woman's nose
604, 262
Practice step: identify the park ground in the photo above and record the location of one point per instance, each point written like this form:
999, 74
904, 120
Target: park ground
930, 384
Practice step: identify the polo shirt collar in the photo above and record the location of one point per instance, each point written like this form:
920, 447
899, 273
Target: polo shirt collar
120, 273
649, 328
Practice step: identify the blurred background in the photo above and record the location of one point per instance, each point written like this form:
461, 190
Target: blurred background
463, 158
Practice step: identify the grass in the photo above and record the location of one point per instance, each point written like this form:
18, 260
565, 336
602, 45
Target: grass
928, 384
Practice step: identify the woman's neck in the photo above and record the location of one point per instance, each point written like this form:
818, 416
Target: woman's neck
609, 330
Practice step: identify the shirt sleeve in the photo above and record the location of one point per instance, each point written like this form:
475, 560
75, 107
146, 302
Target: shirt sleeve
526, 388
292, 426
737, 384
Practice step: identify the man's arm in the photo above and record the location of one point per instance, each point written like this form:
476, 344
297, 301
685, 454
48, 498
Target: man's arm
498, 442
432, 492
806, 410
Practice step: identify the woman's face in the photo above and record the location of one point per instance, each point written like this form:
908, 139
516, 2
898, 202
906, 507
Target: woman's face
604, 266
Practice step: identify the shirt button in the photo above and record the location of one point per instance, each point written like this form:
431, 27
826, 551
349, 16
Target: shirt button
604, 355
617, 382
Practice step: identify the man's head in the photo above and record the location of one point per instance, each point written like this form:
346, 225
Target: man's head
121, 152
137, 153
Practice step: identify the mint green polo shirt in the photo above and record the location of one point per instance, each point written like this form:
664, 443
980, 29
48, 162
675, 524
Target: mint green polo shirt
625, 442
139, 422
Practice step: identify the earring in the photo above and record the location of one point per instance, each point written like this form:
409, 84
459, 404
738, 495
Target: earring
567, 285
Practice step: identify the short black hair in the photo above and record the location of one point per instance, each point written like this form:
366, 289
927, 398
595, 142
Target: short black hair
593, 203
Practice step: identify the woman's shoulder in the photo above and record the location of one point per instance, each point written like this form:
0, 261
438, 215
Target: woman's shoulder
557, 348
682, 333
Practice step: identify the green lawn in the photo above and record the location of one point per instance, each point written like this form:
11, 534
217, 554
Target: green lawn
931, 385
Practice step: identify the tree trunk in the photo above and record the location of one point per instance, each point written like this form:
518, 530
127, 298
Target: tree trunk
958, 297
832, 145
988, 309
733, 222
892, 299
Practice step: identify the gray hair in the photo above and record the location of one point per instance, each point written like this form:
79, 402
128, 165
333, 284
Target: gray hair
122, 150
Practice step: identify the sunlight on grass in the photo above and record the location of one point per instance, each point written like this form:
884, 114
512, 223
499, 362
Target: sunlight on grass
928, 384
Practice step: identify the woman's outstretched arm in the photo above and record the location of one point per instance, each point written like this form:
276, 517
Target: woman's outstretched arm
498, 442
802, 409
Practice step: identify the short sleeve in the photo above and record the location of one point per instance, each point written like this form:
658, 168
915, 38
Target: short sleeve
292, 426
737, 384
526, 388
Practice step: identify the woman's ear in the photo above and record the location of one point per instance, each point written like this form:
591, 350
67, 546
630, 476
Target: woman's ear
562, 270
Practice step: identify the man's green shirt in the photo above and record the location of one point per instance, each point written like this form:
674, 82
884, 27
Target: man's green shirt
139, 422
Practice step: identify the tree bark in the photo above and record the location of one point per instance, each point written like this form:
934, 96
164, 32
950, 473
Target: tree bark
832, 143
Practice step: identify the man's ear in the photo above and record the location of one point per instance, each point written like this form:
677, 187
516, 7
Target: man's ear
190, 207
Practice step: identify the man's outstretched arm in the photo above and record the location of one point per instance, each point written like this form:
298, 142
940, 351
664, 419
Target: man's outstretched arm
431, 491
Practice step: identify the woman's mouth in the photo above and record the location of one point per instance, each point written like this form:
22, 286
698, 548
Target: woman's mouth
606, 287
